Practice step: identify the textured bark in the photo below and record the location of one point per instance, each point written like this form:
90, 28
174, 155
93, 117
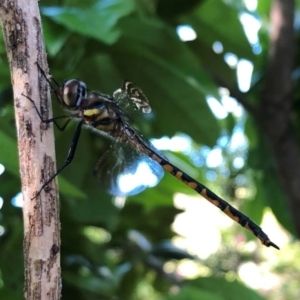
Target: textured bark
276, 104
22, 31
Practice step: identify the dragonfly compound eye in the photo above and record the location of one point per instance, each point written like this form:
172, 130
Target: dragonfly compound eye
74, 91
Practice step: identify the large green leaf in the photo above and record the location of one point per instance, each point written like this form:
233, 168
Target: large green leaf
216, 21
98, 21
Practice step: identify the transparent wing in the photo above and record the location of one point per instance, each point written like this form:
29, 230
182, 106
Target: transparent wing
130, 97
125, 172
137, 137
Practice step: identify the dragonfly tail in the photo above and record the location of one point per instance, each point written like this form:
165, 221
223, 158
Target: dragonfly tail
214, 199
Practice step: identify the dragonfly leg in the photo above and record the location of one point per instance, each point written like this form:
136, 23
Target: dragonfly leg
68, 159
47, 79
51, 120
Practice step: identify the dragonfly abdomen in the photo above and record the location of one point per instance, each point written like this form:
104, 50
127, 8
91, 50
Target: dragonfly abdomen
228, 209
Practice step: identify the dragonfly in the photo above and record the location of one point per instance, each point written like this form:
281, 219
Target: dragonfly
108, 115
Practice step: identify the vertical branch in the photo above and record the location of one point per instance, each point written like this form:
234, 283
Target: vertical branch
276, 103
21, 23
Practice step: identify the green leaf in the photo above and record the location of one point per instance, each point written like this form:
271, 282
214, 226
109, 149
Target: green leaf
55, 36
224, 289
11, 256
167, 250
192, 293
9, 153
209, 22
98, 22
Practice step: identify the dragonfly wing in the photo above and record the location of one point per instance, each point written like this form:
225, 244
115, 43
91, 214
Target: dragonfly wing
131, 98
138, 137
125, 172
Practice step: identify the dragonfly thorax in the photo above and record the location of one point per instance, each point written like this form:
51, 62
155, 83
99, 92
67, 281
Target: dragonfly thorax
100, 114
72, 94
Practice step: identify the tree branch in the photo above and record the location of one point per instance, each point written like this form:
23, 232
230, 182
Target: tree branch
276, 103
22, 31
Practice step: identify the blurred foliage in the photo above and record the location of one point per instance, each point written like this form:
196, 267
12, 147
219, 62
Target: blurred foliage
114, 252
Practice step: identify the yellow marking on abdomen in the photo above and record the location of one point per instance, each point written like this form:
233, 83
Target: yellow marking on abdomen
192, 184
229, 214
157, 159
214, 202
179, 176
168, 168
249, 229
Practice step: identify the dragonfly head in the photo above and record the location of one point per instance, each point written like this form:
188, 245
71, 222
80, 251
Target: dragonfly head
72, 93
